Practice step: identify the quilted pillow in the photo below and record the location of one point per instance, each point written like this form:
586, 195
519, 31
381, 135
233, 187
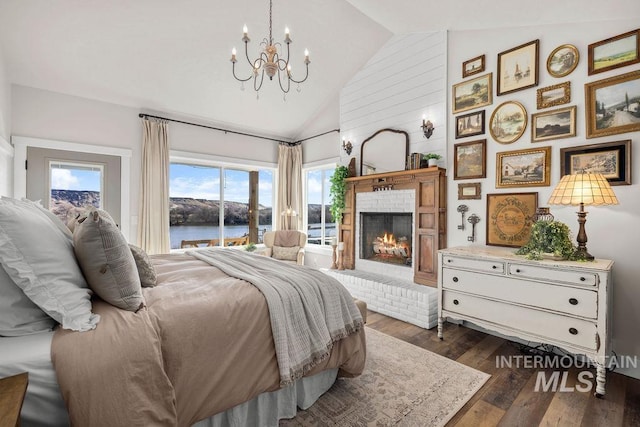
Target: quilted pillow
38, 256
107, 262
146, 271
285, 253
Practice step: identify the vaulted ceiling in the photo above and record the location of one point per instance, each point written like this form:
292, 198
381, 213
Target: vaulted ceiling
172, 57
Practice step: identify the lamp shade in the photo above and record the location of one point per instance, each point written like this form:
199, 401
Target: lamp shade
586, 188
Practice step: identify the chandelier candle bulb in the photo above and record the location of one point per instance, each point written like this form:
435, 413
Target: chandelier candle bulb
233, 54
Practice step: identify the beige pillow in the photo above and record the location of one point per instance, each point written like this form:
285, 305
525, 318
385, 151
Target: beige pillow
107, 262
285, 253
146, 271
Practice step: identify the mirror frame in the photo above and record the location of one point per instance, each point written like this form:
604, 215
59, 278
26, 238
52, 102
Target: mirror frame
406, 148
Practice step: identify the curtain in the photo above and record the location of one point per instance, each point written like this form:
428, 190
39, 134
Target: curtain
289, 187
153, 220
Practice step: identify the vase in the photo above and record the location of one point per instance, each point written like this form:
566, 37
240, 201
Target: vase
432, 162
542, 214
552, 256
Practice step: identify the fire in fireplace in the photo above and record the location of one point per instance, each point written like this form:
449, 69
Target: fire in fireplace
386, 237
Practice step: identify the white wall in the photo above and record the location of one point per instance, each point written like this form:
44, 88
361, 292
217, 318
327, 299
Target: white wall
54, 116
610, 229
6, 150
405, 80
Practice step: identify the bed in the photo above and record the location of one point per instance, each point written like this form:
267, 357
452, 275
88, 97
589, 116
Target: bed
202, 349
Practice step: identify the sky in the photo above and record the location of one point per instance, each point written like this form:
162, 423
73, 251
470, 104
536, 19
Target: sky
75, 179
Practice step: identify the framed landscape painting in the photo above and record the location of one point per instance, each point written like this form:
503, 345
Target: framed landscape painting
473, 66
611, 159
473, 93
508, 122
518, 68
509, 218
469, 160
612, 105
554, 95
554, 124
523, 168
563, 60
470, 124
614, 52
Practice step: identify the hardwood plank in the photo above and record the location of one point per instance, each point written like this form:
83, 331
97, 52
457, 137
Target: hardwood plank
480, 352
529, 406
567, 408
481, 414
608, 411
632, 403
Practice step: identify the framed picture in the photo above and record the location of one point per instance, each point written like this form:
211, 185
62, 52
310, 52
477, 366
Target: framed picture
473, 93
554, 95
523, 168
508, 122
470, 124
614, 52
509, 218
469, 191
554, 124
611, 159
518, 68
473, 66
469, 159
563, 60
612, 105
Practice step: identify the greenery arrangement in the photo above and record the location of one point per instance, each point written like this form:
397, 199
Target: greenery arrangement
337, 192
549, 237
250, 247
431, 156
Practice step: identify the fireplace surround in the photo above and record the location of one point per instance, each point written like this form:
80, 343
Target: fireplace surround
386, 237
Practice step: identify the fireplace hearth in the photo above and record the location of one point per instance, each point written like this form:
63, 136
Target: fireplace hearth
386, 237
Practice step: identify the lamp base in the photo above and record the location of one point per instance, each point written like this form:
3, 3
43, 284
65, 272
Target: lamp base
582, 254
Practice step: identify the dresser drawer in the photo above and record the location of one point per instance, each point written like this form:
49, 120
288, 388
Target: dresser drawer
554, 275
565, 299
473, 264
547, 326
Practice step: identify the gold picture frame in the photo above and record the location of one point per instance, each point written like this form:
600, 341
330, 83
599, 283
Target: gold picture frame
553, 124
563, 60
518, 68
612, 105
614, 52
509, 218
611, 159
474, 93
508, 122
469, 191
553, 95
523, 168
473, 66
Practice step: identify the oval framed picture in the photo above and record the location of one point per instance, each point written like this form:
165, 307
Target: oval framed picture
508, 122
563, 60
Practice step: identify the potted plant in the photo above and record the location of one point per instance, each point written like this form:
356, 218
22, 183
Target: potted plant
432, 159
549, 239
250, 247
337, 192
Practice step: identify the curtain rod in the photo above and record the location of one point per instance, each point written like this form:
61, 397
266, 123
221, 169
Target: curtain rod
142, 115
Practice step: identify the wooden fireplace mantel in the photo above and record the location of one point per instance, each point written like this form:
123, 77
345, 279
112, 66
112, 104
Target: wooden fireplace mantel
430, 218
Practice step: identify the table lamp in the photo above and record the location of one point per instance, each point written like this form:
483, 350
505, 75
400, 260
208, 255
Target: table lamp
583, 189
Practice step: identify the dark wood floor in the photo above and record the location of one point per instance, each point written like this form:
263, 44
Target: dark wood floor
508, 398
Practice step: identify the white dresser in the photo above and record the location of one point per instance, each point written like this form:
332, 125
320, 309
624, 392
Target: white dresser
561, 303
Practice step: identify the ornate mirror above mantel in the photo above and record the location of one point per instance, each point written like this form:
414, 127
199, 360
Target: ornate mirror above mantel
384, 151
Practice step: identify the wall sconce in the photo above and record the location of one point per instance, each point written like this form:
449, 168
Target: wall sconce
427, 128
347, 146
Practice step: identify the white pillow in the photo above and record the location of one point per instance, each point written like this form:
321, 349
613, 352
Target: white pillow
38, 256
285, 253
18, 314
107, 262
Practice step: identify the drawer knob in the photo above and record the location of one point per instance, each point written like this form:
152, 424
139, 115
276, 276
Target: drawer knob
494, 266
455, 279
582, 279
573, 301
456, 302
449, 260
573, 331
517, 270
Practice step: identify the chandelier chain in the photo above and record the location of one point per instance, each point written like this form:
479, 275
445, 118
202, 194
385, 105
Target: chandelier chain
270, 22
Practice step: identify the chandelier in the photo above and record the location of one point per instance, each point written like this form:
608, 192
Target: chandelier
270, 61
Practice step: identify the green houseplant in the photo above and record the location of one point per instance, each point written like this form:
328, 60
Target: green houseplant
431, 158
548, 237
337, 192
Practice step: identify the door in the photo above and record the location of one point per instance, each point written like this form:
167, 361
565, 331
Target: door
68, 181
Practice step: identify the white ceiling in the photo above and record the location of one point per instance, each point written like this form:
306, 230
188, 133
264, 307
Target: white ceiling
172, 57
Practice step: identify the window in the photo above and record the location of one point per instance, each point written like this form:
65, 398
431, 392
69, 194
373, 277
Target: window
197, 193
73, 186
321, 227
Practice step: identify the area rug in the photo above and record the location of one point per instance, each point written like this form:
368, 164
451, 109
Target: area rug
402, 385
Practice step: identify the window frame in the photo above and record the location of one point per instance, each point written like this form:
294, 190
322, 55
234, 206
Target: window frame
305, 173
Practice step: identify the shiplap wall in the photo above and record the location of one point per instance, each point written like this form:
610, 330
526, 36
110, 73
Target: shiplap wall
405, 80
